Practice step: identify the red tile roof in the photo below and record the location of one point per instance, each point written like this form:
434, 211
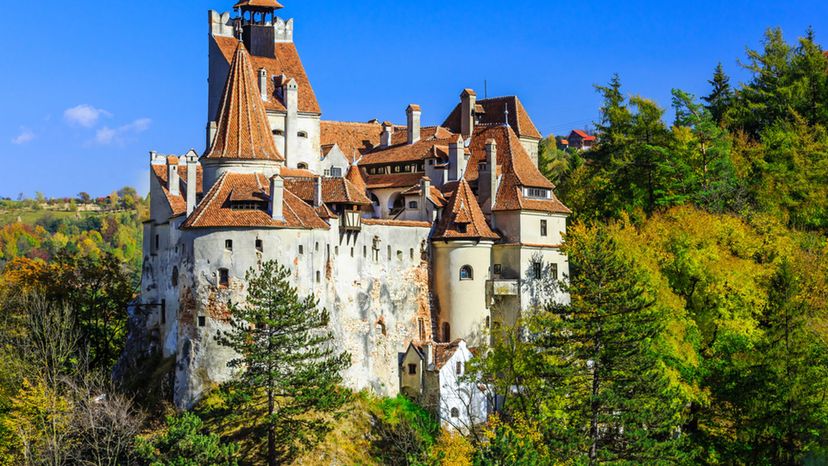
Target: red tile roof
510, 197
396, 223
243, 131
433, 142
334, 190
178, 204
463, 210
495, 113
435, 196
511, 156
582, 134
355, 177
354, 139
286, 62
214, 211
270, 4
392, 180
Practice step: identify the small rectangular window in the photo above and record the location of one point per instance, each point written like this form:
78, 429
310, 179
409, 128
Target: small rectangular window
458, 368
336, 172
228, 244
202, 321
543, 227
316, 246
224, 278
497, 269
352, 252
157, 242
259, 245
163, 311
318, 276
537, 270
412, 369
412, 204
301, 249
389, 252
554, 271
399, 255
411, 253
336, 250
364, 251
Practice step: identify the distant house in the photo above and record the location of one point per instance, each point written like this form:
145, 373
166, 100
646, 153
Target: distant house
433, 374
579, 139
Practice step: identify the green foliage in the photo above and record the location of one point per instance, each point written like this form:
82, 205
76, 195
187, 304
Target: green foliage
184, 443
286, 352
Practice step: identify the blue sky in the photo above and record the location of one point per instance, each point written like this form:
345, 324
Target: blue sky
89, 89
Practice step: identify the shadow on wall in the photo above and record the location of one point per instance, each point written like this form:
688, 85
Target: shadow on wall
542, 283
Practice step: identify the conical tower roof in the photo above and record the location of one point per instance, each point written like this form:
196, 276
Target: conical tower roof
243, 131
354, 175
462, 217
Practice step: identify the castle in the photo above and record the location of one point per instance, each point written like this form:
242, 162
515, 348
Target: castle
410, 236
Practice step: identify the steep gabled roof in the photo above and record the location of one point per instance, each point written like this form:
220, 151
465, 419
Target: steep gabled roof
582, 134
494, 112
355, 177
462, 218
433, 143
511, 156
285, 61
215, 210
510, 197
243, 131
177, 203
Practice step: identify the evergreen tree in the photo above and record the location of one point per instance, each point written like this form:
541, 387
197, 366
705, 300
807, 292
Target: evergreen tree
719, 99
286, 353
601, 362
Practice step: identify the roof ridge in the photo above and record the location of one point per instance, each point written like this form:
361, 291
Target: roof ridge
210, 197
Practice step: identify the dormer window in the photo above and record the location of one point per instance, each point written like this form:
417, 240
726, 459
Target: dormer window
537, 193
302, 166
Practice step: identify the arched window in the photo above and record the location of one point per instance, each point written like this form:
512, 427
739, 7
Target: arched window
455, 412
302, 166
446, 332
174, 277
466, 273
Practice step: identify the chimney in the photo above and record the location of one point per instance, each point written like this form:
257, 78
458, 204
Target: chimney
488, 178
173, 183
387, 132
290, 92
413, 113
212, 129
457, 159
468, 99
192, 180
425, 188
263, 83
277, 197
317, 196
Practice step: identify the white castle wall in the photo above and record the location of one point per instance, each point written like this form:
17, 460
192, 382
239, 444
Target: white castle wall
374, 300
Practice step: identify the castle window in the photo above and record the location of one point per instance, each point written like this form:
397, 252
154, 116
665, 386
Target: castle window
497, 269
302, 166
461, 227
381, 327
446, 332
202, 321
336, 250
421, 328
554, 271
163, 311
278, 132
411, 253
455, 412
302, 134
543, 227
318, 276
301, 249
157, 242
336, 172
458, 368
537, 193
228, 244
482, 166
389, 252
488, 321
466, 273
259, 245
352, 252
537, 270
316, 246
412, 369
412, 204
224, 278
364, 251
174, 277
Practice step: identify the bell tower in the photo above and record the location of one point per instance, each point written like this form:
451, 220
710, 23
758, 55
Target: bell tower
257, 19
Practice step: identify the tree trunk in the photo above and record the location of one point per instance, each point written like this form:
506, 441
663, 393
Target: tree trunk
271, 434
594, 405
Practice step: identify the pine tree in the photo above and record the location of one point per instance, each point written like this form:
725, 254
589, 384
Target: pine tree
601, 359
286, 353
720, 97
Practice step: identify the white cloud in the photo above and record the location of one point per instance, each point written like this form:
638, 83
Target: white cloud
26, 135
84, 115
107, 135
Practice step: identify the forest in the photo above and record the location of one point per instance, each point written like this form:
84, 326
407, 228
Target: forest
696, 333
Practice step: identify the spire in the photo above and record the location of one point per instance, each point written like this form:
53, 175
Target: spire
462, 217
243, 131
355, 177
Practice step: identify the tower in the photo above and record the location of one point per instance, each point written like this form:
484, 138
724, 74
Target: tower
256, 21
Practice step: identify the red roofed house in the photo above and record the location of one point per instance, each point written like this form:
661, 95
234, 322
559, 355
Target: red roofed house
405, 233
579, 139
